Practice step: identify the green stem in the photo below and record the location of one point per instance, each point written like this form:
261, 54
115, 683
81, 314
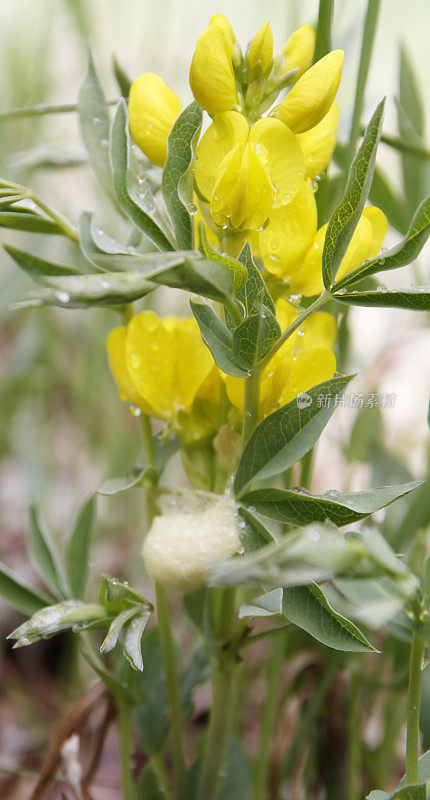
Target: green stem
354, 748
69, 230
269, 717
363, 71
159, 771
323, 37
223, 678
413, 718
41, 109
166, 637
251, 401
404, 147
321, 301
125, 750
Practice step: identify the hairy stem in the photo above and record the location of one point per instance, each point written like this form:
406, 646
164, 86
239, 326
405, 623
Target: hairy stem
413, 718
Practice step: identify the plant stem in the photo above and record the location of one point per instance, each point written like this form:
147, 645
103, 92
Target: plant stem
363, 71
69, 230
159, 771
269, 716
323, 37
124, 731
223, 675
413, 718
353, 757
320, 301
250, 412
41, 109
166, 637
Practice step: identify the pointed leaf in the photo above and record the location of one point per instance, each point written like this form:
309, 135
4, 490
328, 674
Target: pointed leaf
399, 256
218, 338
94, 121
146, 220
413, 299
123, 80
71, 614
133, 639
237, 270
18, 595
298, 507
255, 337
44, 557
287, 434
345, 217
25, 221
78, 550
116, 627
83, 291
37, 268
254, 286
178, 179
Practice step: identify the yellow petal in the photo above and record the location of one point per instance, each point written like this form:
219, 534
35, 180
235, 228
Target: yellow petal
358, 249
306, 277
224, 23
319, 330
260, 52
280, 150
299, 50
289, 234
242, 196
311, 97
308, 370
115, 345
167, 361
286, 313
227, 130
153, 108
319, 142
203, 214
212, 78
379, 224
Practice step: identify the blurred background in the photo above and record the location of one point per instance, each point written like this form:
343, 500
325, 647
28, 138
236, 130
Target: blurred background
63, 430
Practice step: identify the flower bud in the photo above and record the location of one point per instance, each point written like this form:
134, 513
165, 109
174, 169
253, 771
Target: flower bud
212, 78
299, 50
260, 52
187, 539
312, 96
224, 23
153, 108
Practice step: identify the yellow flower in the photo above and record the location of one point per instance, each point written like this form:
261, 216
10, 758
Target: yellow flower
223, 22
312, 96
319, 142
304, 360
299, 50
153, 108
243, 172
212, 79
260, 52
160, 365
366, 243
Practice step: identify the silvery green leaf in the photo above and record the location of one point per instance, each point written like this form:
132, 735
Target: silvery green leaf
71, 614
108, 289
18, 595
94, 121
116, 627
133, 639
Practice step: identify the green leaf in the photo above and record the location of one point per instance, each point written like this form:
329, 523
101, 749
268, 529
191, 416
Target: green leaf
195, 605
116, 627
148, 786
308, 608
114, 591
346, 215
178, 178
83, 291
411, 793
122, 78
115, 687
146, 219
254, 287
78, 550
18, 595
151, 715
412, 299
399, 256
286, 435
411, 122
133, 639
71, 614
255, 337
253, 534
37, 268
237, 270
206, 278
44, 557
119, 485
94, 242
94, 121
298, 507
218, 338
313, 553
376, 794
26, 221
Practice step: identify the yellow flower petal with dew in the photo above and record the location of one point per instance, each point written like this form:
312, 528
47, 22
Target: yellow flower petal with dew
379, 224
115, 345
242, 196
313, 367
319, 330
167, 362
299, 50
227, 130
312, 96
280, 150
289, 234
318, 143
359, 247
153, 108
202, 215
224, 23
212, 79
260, 52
